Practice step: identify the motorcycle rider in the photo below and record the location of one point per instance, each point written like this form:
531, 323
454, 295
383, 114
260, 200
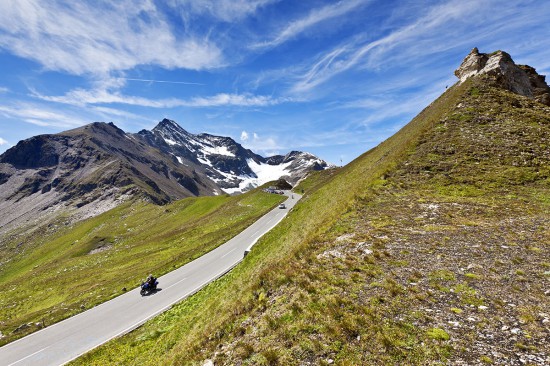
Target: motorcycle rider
151, 281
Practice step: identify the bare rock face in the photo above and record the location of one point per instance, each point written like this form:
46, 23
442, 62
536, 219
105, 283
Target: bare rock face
541, 91
520, 79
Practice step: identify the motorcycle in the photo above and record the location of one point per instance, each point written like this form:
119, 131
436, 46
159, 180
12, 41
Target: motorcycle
148, 288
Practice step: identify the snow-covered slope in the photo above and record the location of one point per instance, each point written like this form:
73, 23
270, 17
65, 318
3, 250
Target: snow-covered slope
232, 167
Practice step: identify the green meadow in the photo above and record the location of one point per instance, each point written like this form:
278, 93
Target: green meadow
71, 268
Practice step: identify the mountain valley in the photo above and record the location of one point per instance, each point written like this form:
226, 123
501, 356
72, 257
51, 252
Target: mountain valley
431, 248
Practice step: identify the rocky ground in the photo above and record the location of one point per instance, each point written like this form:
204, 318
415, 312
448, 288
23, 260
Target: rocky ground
431, 281
478, 272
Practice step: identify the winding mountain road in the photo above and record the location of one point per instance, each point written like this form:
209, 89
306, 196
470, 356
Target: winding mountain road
71, 338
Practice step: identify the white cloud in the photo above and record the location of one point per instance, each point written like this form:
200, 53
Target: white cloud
226, 10
102, 95
242, 100
403, 108
100, 37
4, 89
315, 17
40, 116
113, 112
265, 146
417, 39
3, 142
164, 81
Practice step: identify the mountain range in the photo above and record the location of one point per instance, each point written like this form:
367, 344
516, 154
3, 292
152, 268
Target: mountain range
91, 169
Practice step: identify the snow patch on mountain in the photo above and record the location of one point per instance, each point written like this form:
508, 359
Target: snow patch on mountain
263, 173
266, 172
204, 161
217, 150
170, 142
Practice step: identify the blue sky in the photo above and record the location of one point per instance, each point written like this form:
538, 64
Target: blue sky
334, 78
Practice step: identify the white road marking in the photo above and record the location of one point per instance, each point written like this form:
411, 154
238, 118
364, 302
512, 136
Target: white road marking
226, 254
174, 284
24, 358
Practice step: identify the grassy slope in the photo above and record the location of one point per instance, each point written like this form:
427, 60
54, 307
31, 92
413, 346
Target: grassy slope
431, 248
194, 329
74, 268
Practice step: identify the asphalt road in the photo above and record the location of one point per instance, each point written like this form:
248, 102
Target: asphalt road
69, 339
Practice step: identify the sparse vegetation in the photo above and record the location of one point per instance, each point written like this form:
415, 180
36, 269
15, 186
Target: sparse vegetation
438, 334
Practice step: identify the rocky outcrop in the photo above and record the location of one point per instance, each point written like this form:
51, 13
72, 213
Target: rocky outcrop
503, 71
541, 91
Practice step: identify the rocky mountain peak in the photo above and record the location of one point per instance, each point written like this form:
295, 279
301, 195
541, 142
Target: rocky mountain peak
499, 66
101, 128
168, 126
168, 123
170, 132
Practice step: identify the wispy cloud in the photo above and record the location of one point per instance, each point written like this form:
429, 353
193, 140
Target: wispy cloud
3, 142
315, 17
163, 81
225, 10
4, 89
82, 97
41, 116
242, 100
109, 113
372, 117
263, 145
400, 109
370, 54
100, 37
